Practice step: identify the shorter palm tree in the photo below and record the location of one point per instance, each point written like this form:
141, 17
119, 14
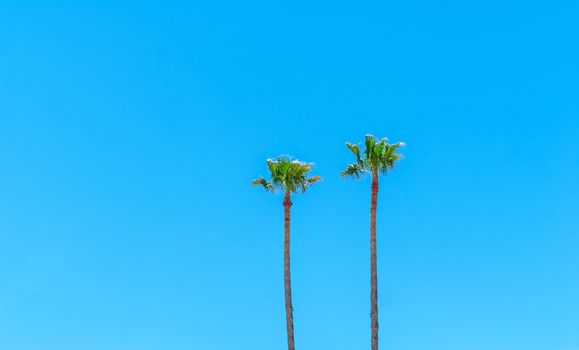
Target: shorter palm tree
379, 157
289, 176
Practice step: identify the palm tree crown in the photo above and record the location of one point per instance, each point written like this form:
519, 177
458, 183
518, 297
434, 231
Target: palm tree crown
287, 175
379, 157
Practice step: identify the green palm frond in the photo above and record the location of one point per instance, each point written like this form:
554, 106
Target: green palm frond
389, 157
354, 148
309, 182
370, 141
260, 181
354, 170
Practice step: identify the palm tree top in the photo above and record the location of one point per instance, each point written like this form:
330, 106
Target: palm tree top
378, 157
287, 174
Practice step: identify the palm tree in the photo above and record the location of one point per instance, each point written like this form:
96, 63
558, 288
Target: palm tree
288, 176
378, 158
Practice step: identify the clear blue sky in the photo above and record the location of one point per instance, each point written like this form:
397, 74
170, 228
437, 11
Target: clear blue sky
129, 132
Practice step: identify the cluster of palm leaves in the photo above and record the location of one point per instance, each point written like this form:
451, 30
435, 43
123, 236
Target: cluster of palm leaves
287, 175
290, 176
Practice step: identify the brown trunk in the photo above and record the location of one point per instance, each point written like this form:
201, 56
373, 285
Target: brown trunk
373, 267
286, 272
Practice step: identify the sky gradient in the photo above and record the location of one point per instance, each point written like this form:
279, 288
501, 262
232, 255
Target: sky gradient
130, 131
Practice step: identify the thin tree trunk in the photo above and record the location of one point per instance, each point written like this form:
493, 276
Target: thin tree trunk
373, 267
286, 270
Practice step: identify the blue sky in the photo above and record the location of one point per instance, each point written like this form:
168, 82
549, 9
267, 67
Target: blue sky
129, 132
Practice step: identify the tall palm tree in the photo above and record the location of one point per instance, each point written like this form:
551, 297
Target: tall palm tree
288, 176
378, 157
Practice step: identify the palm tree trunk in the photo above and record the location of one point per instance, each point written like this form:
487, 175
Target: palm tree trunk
373, 267
286, 270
